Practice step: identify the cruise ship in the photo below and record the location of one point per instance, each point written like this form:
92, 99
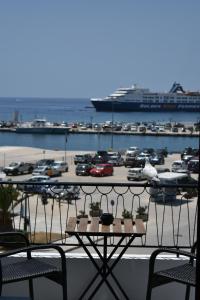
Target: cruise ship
140, 99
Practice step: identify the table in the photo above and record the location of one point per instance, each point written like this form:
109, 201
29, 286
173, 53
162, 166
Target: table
122, 228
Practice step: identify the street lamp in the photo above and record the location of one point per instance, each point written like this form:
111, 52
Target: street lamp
65, 144
112, 125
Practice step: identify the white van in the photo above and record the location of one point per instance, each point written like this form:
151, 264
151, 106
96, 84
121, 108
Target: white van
179, 166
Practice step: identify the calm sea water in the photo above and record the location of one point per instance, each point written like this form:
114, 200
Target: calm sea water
73, 110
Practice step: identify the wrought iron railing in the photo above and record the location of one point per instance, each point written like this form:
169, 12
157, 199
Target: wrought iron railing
41, 210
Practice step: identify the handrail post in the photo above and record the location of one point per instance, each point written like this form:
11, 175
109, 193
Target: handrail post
197, 290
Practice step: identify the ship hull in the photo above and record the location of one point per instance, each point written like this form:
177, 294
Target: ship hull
118, 106
42, 130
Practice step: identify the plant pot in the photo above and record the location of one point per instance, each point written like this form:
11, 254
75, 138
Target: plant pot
106, 218
96, 213
144, 217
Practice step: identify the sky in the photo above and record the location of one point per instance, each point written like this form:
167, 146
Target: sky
88, 48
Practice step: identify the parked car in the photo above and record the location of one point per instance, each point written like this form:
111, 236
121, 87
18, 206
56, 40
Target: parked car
126, 127
44, 162
83, 169
132, 162
116, 160
31, 187
102, 153
162, 151
2, 175
157, 159
190, 151
16, 168
46, 170
82, 158
187, 158
102, 170
134, 128
60, 166
179, 166
143, 156
64, 192
136, 174
174, 129
98, 159
113, 153
132, 151
162, 170
193, 165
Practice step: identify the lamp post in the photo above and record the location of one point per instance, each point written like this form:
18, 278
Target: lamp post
65, 144
197, 291
112, 125
43, 154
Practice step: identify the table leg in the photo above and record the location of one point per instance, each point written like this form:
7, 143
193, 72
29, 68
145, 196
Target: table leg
104, 257
105, 261
112, 266
98, 269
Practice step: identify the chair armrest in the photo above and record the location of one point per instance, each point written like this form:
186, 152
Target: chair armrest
155, 253
171, 251
29, 249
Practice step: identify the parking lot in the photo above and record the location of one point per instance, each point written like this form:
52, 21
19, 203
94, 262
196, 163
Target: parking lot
10, 154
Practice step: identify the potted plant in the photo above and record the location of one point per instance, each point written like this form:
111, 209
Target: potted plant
95, 209
141, 213
82, 214
127, 214
8, 200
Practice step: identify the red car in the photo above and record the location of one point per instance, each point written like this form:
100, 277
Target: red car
102, 170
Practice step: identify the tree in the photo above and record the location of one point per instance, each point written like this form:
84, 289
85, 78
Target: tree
8, 201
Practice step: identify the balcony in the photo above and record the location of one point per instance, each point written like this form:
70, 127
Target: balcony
170, 220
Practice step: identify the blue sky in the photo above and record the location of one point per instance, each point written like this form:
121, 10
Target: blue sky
88, 48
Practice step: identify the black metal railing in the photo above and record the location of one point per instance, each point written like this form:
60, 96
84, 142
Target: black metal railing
41, 210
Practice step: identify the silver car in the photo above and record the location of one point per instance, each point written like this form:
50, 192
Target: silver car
46, 170
60, 166
63, 192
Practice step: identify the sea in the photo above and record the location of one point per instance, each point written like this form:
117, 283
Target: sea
81, 110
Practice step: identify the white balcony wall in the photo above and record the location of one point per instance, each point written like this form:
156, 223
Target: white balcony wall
132, 272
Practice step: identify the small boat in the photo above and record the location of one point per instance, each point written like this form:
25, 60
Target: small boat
41, 126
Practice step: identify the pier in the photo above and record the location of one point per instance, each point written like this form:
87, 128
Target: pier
107, 128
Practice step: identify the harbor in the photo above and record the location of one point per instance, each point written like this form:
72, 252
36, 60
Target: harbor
40, 126
75, 125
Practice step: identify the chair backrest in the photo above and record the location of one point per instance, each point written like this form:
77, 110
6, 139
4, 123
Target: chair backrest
10, 240
194, 247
